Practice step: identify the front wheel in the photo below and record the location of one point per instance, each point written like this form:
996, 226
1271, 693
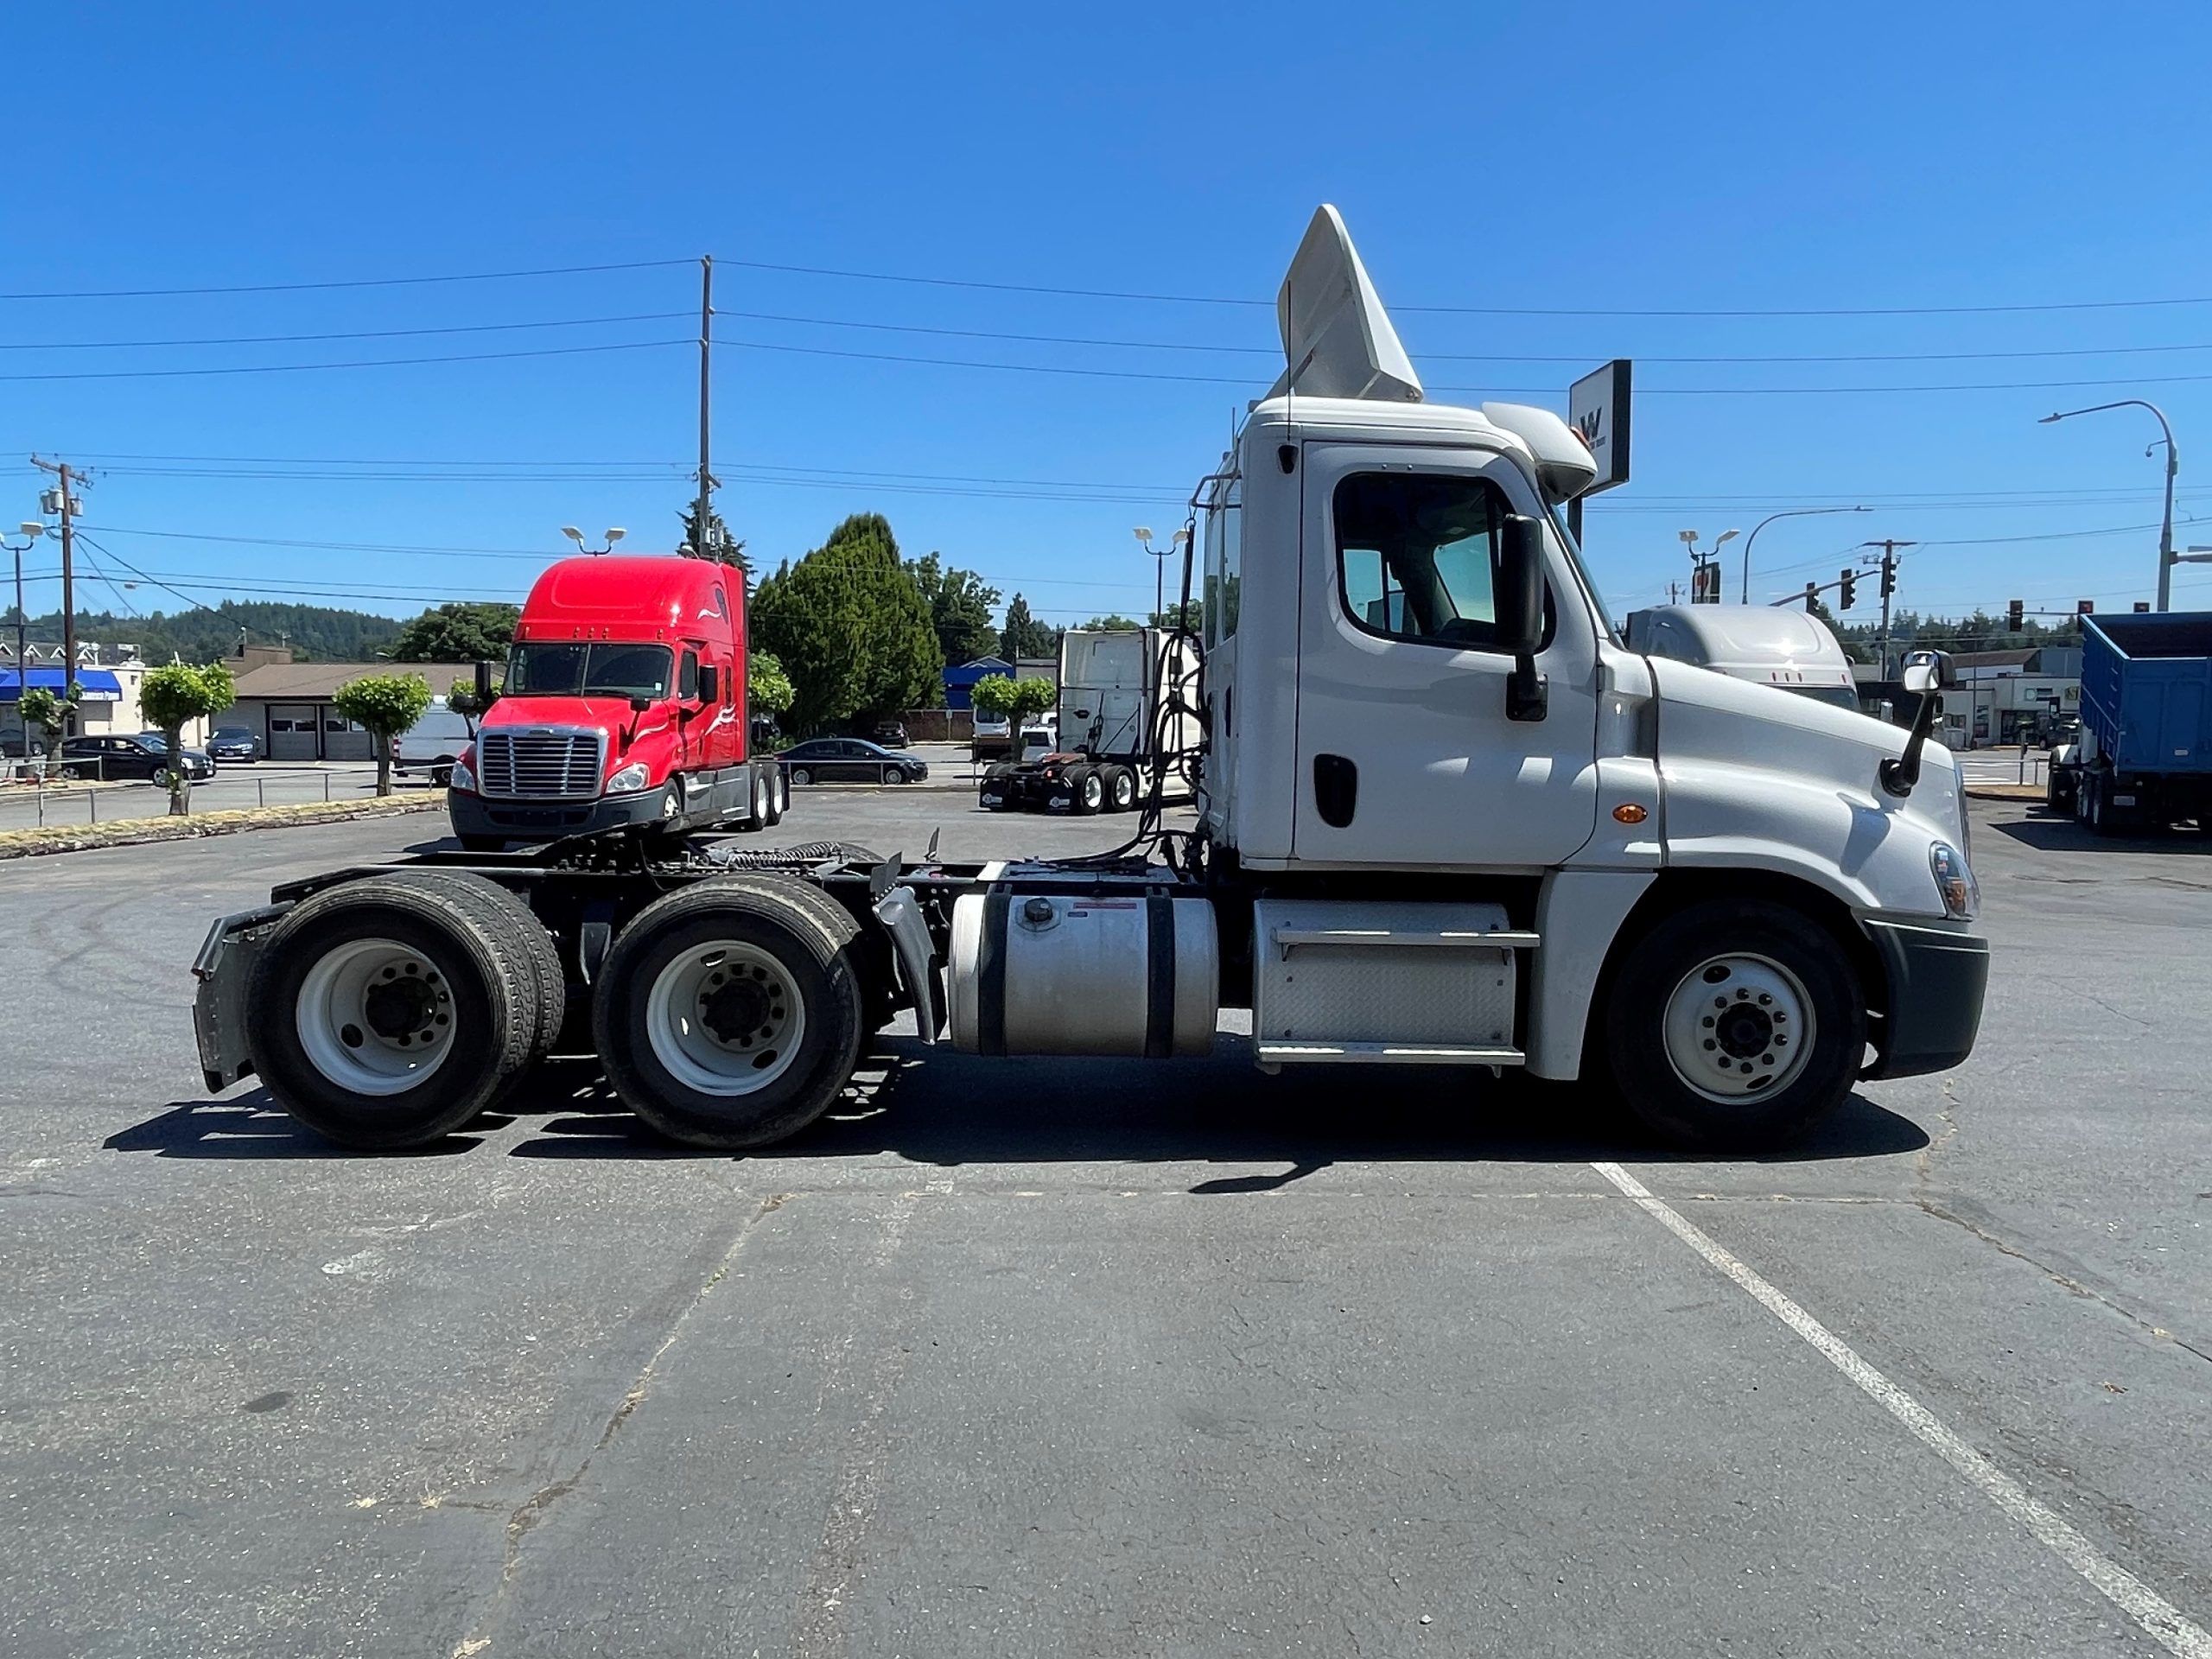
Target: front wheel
894, 774
801, 775
1735, 1024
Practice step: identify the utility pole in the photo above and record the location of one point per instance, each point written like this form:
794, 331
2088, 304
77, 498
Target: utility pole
69, 507
706, 344
1889, 547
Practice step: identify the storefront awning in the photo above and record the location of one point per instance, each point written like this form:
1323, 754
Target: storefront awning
99, 684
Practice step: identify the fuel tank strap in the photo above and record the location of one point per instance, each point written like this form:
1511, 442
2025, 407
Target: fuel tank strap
1159, 976
990, 974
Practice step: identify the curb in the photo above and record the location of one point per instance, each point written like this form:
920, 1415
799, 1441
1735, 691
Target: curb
2003, 791
130, 832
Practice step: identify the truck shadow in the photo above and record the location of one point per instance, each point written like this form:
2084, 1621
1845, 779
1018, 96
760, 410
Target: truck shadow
938, 1108
2055, 832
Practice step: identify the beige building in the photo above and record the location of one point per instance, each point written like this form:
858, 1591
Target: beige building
289, 705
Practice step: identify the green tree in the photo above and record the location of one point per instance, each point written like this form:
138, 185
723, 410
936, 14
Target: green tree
1024, 635
713, 542
457, 634
960, 609
1113, 621
50, 713
1194, 616
386, 704
767, 688
851, 628
174, 696
1013, 700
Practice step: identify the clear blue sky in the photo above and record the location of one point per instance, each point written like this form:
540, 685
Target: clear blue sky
1597, 159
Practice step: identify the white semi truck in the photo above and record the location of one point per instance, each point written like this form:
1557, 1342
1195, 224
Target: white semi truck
1445, 818
1768, 645
1125, 706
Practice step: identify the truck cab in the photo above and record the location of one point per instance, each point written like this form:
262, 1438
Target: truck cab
623, 707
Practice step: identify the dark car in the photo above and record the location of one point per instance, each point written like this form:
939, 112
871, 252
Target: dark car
234, 743
890, 733
143, 756
851, 761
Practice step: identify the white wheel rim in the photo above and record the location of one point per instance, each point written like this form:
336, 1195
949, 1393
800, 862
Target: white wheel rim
1091, 792
1738, 1026
375, 1017
802, 776
725, 1018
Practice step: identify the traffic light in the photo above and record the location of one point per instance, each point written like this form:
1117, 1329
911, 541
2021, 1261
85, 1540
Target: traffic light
1846, 589
2141, 607
2015, 614
1889, 577
1812, 596
2085, 607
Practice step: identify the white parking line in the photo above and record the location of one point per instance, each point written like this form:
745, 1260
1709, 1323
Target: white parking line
2158, 1616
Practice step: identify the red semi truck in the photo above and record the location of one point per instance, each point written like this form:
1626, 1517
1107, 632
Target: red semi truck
624, 706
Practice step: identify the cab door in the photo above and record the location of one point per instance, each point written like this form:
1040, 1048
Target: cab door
1407, 755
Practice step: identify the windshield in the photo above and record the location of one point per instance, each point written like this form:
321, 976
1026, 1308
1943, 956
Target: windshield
577, 670
1589, 588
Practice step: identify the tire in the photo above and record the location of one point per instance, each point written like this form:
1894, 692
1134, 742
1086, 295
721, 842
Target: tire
775, 792
894, 774
1089, 789
440, 777
801, 775
785, 945
531, 942
1120, 790
995, 794
1660, 1032
453, 957
2100, 820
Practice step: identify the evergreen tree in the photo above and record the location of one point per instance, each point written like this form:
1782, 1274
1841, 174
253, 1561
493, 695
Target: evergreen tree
1024, 635
960, 609
714, 541
851, 629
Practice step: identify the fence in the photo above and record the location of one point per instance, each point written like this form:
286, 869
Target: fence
28, 803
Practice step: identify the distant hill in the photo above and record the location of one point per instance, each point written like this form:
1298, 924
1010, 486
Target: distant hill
316, 633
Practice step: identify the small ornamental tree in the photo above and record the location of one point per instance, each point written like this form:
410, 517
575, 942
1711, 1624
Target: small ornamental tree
1013, 701
50, 713
172, 697
767, 688
386, 705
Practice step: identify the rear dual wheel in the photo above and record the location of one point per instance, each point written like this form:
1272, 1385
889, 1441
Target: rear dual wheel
730, 1015
388, 1012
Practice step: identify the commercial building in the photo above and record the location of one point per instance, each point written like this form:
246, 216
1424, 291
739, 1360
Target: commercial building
290, 706
108, 675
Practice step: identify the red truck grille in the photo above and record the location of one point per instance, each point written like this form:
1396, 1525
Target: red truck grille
540, 765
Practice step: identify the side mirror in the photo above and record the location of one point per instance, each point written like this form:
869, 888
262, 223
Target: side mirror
1924, 674
641, 705
710, 684
1520, 614
1520, 587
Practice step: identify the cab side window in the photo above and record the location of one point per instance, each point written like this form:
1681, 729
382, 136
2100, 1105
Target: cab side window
687, 683
1417, 555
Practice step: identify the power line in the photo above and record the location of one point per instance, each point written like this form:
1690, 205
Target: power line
369, 333
359, 281
373, 363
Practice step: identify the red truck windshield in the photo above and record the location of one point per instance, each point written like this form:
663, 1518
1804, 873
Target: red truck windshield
588, 671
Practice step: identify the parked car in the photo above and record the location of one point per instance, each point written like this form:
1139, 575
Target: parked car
890, 733
433, 744
143, 756
234, 743
851, 761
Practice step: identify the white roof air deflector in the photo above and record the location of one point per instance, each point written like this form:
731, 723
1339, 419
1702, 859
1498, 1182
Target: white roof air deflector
1336, 338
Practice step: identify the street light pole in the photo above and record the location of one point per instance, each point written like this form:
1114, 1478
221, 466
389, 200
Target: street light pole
2166, 559
1787, 512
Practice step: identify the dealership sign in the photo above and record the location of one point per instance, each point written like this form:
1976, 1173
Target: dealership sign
1597, 407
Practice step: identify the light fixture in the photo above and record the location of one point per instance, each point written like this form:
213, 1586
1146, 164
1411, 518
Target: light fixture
1689, 536
32, 528
1725, 536
614, 536
573, 534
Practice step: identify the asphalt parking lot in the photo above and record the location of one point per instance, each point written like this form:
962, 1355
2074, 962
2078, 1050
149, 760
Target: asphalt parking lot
1041, 1356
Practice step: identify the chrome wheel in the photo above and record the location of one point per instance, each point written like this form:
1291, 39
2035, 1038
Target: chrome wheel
375, 1017
725, 1018
1739, 1026
801, 775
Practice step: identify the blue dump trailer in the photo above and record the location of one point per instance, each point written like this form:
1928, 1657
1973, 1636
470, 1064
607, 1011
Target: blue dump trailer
2145, 756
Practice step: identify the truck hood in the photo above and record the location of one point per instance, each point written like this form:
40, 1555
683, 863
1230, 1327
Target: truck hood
611, 715
1754, 776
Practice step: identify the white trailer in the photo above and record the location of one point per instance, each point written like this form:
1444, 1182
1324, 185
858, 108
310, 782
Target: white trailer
1444, 817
